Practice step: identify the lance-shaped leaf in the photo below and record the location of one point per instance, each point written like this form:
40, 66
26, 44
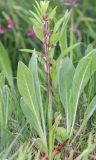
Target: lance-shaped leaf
84, 70
28, 91
5, 64
66, 74
52, 13
34, 71
59, 28
44, 6
39, 32
32, 121
58, 24
36, 17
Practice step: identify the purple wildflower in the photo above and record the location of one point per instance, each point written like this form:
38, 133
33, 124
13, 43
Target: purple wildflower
10, 24
2, 31
31, 33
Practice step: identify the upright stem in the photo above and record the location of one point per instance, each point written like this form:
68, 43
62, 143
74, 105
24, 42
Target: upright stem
46, 50
46, 45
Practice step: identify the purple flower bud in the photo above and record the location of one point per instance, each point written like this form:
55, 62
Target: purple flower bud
2, 31
31, 33
10, 24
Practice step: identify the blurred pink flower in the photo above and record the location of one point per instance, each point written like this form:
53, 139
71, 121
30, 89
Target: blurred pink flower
70, 2
2, 31
31, 33
10, 24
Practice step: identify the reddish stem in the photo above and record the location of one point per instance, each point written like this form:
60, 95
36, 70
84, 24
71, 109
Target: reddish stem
47, 36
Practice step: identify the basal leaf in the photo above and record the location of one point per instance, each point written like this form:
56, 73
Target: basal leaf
27, 88
84, 70
66, 74
25, 83
34, 71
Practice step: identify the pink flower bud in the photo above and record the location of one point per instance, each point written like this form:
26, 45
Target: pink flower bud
31, 33
2, 31
10, 24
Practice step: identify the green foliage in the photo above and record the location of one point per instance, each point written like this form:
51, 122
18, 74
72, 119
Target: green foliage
2, 79
29, 87
61, 134
5, 64
74, 82
66, 74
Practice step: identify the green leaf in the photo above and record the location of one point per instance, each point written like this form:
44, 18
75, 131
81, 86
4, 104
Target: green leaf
33, 123
39, 54
83, 72
65, 21
65, 52
66, 73
89, 48
38, 8
5, 64
58, 24
36, 17
44, 6
34, 22
54, 38
61, 134
2, 79
4, 107
38, 144
39, 32
27, 88
38, 11
89, 111
34, 71
61, 23
86, 152
63, 41
25, 83
52, 13
29, 115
